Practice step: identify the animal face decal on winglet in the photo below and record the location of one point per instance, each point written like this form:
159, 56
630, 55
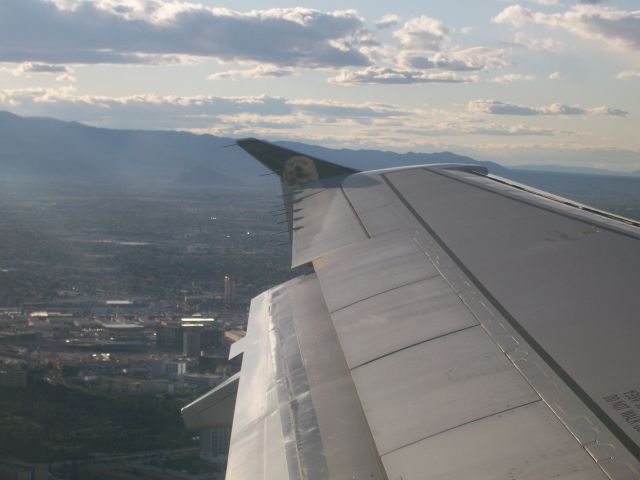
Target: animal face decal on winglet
299, 170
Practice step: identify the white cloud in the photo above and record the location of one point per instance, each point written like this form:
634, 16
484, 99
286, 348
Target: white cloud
171, 112
554, 76
496, 107
66, 77
148, 31
388, 21
391, 76
259, 71
250, 115
468, 59
491, 129
515, 15
618, 28
547, 2
423, 33
534, 44
628, 74
423, 52
27, 68
513, 77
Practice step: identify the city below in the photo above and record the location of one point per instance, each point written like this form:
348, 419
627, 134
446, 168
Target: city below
118, 350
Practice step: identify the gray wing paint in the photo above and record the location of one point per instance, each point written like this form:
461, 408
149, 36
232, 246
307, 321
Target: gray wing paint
456, 326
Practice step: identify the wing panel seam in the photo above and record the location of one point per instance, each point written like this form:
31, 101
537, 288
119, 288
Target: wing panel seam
415, 345
484, 417
362, 225
412, 282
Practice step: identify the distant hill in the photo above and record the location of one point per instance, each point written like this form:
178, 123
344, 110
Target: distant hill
48, 147
374, 159
569, 169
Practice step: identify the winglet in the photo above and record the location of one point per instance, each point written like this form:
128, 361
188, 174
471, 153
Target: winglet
292, 167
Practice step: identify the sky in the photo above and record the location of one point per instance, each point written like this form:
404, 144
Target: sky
529, 82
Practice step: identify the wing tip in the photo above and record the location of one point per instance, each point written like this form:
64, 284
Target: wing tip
293, 167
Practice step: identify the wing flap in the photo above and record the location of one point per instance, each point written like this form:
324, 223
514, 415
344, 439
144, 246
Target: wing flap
214, 409
523, 443
298, 414
323, 221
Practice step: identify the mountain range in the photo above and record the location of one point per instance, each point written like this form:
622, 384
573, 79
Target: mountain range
74, 151
48, 147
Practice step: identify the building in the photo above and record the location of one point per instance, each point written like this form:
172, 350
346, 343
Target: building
124, 332
191, 336
229, 290
169, 337
211, 337
13, 378
214, 443
23, 471
176, 369
191, 344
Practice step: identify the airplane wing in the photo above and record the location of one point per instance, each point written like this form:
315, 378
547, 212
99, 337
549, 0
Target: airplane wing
457, 325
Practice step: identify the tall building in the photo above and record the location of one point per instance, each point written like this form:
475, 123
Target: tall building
229, 290
176, 369
169, 337
191, 344
214, 443
211, 337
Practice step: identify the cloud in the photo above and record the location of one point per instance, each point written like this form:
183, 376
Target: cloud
554, 76
30, 67
391, 76
618, 28
423, 33
452, 130
42, 68
628, 74
468, 59
547, 2
422, 52
388, 21
66, 77
534, 44
152, 31
516, 130
515, 15
171, 112
252, 121
513, 77
496, 107
259, 71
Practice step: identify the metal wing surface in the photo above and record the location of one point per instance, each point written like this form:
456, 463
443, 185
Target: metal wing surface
457, 325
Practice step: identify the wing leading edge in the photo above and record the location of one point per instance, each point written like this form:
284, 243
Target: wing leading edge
475, 329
